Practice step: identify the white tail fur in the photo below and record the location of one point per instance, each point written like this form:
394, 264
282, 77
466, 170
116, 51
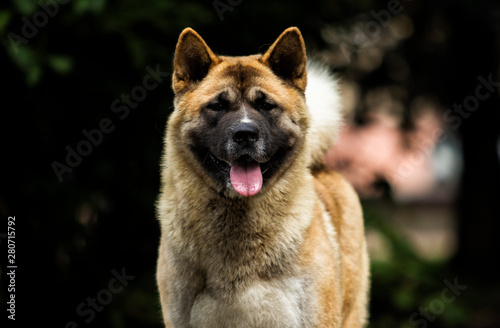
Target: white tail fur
323, 100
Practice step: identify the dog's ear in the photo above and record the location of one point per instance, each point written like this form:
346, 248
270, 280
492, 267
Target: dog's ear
192, 60
287, 58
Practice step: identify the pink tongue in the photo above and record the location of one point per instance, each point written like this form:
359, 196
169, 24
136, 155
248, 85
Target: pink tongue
246, 178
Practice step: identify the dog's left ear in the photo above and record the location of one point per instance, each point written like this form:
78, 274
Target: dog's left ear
192, 60
287, 58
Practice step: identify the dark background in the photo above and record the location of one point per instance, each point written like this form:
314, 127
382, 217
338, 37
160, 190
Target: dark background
64, 76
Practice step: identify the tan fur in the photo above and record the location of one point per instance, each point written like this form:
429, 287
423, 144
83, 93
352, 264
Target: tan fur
293, 255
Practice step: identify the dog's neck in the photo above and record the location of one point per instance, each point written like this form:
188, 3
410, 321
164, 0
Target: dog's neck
236, 237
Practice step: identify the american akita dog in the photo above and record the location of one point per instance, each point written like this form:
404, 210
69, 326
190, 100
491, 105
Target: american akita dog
256, 230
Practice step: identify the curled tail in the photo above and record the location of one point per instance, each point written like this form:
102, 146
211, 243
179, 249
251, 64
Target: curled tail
323, 101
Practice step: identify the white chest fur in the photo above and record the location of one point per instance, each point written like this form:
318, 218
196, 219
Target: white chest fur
275, 304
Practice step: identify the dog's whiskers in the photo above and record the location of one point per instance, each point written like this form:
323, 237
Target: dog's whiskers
206, 156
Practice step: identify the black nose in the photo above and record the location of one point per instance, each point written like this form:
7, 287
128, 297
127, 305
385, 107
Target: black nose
245, 132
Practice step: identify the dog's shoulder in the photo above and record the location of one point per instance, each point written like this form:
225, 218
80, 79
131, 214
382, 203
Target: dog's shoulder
339, 197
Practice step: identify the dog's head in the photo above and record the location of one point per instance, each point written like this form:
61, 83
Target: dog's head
239, 122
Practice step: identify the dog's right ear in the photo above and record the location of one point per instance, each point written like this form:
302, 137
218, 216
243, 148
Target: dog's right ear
192, 60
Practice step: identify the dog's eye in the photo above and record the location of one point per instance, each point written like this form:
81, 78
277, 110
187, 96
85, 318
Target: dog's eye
262, 103
219, 105
265, 106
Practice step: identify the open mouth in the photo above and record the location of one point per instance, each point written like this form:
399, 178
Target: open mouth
245, 174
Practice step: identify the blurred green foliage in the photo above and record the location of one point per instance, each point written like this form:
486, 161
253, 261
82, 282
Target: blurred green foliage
403, 283
41, 42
